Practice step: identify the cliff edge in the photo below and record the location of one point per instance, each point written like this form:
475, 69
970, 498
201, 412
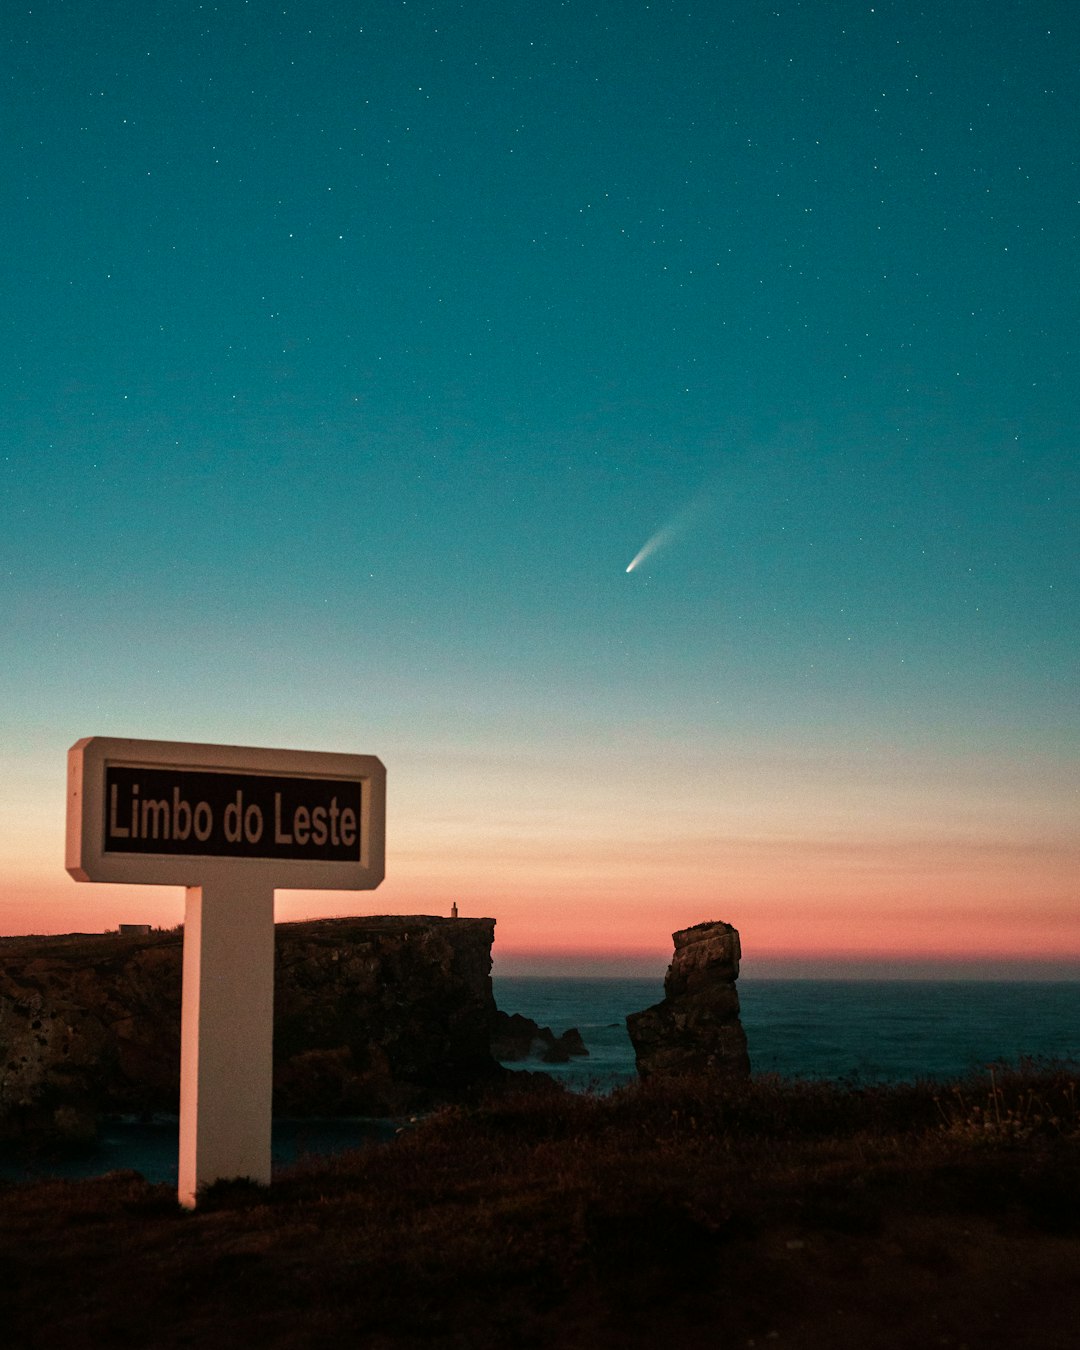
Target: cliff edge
372, 1016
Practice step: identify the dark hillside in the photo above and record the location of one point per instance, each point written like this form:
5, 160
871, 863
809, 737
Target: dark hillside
808, 1215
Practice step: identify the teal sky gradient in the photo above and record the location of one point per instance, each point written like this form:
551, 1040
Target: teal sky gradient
352, 351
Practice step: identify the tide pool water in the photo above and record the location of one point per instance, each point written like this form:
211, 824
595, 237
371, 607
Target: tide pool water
152, 1148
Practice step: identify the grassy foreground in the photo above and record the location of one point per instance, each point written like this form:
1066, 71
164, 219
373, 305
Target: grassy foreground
804, 1215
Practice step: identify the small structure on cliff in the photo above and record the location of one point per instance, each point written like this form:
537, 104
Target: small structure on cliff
696, 1028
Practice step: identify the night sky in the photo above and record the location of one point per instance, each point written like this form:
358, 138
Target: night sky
353, 352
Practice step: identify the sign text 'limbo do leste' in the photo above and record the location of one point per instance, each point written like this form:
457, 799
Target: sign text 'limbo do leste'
232, 815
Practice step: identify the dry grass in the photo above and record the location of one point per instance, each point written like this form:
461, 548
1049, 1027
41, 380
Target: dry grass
802, 1214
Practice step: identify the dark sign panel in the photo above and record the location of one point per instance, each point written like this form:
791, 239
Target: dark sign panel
231, 815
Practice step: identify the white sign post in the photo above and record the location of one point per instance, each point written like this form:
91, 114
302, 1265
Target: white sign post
230, 824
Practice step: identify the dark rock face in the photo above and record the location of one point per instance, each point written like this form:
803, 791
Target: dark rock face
373, 1016
515, 1037
565, 1047
87, 1023
696, 1028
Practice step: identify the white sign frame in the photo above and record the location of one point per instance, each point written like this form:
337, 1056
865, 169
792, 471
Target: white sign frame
226, 1054
88, 860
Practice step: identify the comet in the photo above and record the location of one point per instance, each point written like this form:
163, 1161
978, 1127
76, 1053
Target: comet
676, 526
655, 541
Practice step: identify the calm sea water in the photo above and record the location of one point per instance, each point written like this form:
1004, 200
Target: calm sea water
876, 1031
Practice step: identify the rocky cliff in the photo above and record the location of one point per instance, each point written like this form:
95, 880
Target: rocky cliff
373, 1016
696, 1028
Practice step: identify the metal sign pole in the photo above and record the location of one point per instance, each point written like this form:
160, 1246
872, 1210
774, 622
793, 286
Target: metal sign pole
226, 1034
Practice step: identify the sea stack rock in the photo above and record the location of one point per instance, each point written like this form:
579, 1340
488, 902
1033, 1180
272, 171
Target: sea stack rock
696, 1029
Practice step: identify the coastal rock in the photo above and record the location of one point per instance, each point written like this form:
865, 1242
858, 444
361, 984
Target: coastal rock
565, 1047
373, 1016
515, 1037
696, 1028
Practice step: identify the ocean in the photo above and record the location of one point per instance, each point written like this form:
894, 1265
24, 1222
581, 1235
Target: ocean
864, 1030
870, 1030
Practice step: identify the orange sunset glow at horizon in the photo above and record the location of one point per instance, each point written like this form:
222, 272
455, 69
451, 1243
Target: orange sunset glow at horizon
792, 901
589, 856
